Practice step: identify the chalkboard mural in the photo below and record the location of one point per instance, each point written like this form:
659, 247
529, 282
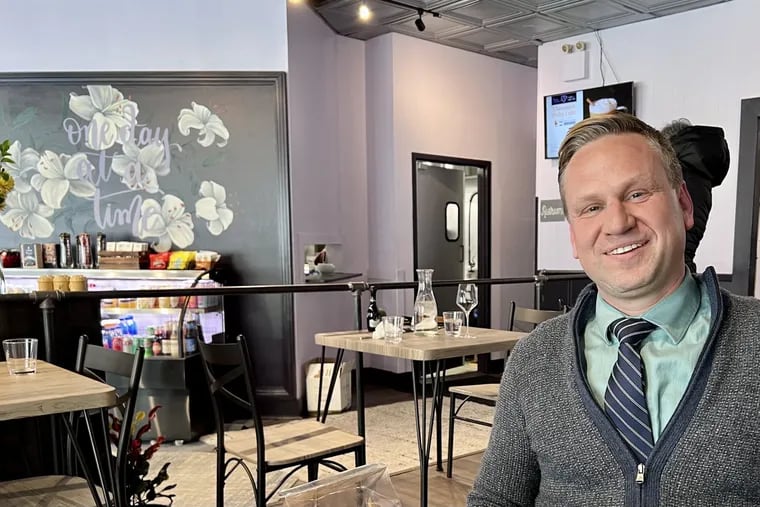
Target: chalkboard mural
115, 162
194, 161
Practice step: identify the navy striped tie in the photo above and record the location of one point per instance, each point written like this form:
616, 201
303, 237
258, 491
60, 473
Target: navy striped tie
625, 400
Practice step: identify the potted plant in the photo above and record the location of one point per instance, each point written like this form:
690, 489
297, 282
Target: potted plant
140, 489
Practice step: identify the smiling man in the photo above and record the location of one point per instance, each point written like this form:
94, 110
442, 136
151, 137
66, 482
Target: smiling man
646, 393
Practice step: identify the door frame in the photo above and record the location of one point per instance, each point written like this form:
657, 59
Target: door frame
747, 198
484, 221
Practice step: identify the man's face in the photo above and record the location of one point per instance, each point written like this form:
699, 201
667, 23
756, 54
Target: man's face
627, 224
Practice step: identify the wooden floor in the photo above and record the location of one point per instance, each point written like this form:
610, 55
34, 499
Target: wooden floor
442, 491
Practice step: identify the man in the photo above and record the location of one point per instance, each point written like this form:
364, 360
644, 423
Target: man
704, 157
598, 409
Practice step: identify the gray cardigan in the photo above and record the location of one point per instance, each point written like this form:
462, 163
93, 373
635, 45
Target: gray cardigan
552, 444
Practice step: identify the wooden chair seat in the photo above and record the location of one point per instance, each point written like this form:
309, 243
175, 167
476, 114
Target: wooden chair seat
292, 442
53, 490
482, 392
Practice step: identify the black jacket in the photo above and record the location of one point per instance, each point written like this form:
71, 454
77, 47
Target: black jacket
704, 157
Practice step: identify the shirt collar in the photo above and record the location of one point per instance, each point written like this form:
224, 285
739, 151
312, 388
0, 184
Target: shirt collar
673, 314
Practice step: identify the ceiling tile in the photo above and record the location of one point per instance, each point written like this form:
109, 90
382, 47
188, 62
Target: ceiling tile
483, 37
526, 55
539, 5
655, 5
686, 7
590, 12
534, 26
624, 20
487, 11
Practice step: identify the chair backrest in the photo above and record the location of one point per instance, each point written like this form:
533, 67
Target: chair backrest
94, 361
225, 363
526, 319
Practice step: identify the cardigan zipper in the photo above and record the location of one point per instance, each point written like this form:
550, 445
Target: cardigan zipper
640, 471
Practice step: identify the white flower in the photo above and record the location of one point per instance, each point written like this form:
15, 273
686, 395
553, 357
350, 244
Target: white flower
139, 167
111, 116
211, 207
169, 222
60, 173
24, 164
208, 124
27, 216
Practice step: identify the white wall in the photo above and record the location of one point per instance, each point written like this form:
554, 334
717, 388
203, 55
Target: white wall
449, 102
84, 35
328, 167
697, 65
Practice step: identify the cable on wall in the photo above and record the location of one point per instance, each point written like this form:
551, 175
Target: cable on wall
603, 57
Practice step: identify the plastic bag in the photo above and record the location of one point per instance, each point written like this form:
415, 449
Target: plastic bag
365, 486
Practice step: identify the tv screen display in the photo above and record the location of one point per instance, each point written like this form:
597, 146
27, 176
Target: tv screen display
564, 110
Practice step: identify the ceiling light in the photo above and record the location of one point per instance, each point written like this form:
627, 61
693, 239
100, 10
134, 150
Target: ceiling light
364, 12
418, 22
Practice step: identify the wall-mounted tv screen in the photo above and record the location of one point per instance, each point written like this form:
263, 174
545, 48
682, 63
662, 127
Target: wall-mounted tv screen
564, 110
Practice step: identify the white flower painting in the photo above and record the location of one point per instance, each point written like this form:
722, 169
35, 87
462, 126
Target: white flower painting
168, 221
213, 208
114, 176
60, 174
208, 124
23, 166
139, 168
26, 215
111, 116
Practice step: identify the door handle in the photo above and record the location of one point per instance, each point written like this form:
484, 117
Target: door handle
461, 253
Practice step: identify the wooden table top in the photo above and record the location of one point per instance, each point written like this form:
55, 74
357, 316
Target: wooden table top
423, 348
51, 390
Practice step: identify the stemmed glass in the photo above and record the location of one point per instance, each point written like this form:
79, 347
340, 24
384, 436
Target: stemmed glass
467, 299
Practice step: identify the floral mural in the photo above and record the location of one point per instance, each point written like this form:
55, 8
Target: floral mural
109, 141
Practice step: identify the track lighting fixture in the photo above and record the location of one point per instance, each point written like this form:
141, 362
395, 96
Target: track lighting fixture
420, 11
418, 22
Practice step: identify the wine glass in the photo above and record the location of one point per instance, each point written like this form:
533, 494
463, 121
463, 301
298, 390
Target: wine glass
467, 299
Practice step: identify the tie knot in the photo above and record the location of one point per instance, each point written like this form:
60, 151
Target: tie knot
631, 330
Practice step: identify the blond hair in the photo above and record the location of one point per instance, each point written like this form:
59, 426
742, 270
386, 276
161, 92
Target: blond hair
596, 127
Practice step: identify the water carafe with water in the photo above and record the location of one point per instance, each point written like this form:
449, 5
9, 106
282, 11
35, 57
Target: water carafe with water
425, 308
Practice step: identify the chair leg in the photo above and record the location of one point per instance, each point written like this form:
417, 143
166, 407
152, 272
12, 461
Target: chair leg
220, 473
313, 469
450, 450
261, 486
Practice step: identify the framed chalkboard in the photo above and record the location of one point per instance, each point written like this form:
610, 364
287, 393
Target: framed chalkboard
183, 161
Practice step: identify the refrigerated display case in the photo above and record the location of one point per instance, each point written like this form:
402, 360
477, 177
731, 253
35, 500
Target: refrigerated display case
172, 375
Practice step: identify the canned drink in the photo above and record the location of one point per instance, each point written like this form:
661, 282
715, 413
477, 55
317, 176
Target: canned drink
84, 251
100, 246
65, 253
128, 345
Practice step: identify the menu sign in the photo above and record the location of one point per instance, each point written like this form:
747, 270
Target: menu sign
562, 112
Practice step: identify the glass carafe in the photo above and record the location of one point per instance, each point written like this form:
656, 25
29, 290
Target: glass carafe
425, 309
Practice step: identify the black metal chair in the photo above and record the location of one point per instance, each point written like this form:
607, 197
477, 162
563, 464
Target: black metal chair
519, 319
295, 444
70, 490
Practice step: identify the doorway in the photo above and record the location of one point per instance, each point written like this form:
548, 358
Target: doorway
745, 268
452, 226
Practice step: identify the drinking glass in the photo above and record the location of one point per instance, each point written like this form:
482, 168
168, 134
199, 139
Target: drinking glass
21, 355
452, 323
467, 299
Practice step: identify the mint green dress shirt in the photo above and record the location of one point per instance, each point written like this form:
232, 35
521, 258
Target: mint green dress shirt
669, 353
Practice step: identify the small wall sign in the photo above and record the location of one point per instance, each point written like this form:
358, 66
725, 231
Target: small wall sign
551, 211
